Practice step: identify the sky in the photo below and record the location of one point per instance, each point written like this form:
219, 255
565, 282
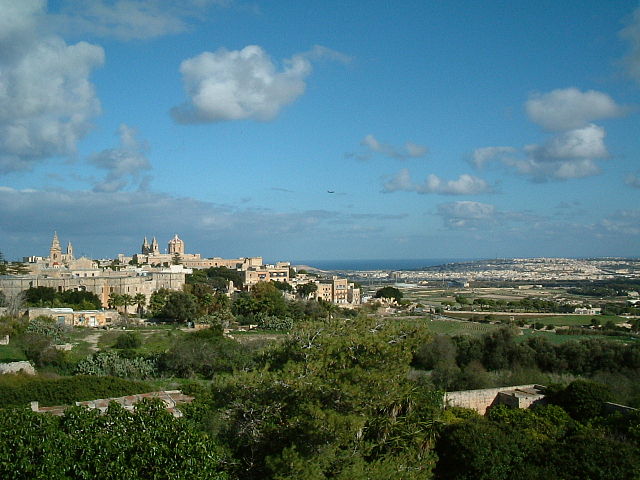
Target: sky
321, 130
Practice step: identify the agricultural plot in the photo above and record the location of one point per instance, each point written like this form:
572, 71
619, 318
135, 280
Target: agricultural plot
450, 327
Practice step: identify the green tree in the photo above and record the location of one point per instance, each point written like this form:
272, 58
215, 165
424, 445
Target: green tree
180, 306
306, 289
115, 300
389, 292
140, 301
40, 296
127, 301
333, 401
147, 443
157, 301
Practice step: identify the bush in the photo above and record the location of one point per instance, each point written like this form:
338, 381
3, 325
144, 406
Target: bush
128, 340
204, 353
112, 364
19, 390
270, 322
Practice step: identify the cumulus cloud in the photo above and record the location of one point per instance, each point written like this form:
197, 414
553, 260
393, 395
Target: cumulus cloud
467, 214
470, 215
631, 33
566, 155
409, 150
131, 19
242, 84
123, 164
482, 156
46, 98
465, 185
569, 108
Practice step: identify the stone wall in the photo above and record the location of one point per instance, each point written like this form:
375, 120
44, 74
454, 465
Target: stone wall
17, 367
479, 400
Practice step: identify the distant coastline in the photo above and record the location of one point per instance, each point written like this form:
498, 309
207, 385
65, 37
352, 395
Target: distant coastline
379, 264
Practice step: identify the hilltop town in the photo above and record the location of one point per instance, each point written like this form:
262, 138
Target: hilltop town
149, 271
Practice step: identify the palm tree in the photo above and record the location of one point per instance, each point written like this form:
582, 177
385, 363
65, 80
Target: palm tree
115, 300
141, 301
127, 301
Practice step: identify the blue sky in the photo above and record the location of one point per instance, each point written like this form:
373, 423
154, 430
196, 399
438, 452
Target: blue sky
446, 129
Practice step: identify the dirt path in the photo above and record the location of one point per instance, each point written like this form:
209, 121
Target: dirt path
92, 339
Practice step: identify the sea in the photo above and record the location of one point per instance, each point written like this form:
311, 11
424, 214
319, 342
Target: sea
379, 264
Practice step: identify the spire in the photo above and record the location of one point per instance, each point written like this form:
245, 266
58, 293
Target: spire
145, 246
69, 251
55, 244
55, 252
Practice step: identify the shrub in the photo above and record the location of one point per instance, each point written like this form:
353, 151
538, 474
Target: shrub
128, 340
110, 363
19, 390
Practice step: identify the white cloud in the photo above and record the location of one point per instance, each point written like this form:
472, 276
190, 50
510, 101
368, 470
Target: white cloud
46, 99
567, 155
482, 156
239, 84
569, 108
123, 164
631, 33
465, 185
481, 216
467, 214
581, 143
409, 150
131, 19
623, 222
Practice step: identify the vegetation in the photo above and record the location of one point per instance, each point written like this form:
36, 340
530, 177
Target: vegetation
340, 394
147, 443
389, 292
49, 297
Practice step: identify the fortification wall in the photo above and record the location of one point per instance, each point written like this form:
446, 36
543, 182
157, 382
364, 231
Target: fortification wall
478, 400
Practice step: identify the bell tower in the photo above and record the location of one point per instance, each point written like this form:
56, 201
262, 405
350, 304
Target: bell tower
55, 252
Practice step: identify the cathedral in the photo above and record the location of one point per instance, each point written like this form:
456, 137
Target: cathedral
56, 257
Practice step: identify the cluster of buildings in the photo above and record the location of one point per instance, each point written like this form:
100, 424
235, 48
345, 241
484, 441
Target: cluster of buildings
150, 270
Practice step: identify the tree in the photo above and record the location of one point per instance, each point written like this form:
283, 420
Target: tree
141, 301
118, 444
390, 293
40, 296
180, 306
283, 286
157, 301
332, 401
582, 399
306, 289
127, 300
176, 259
115, 300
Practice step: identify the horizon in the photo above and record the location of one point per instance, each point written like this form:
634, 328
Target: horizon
281, 130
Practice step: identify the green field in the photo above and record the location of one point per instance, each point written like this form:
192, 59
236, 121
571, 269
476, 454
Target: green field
449, 327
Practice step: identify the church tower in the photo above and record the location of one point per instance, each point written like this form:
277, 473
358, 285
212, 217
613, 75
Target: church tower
55, 252
176, 245
146, 249
155, 248
69, 256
